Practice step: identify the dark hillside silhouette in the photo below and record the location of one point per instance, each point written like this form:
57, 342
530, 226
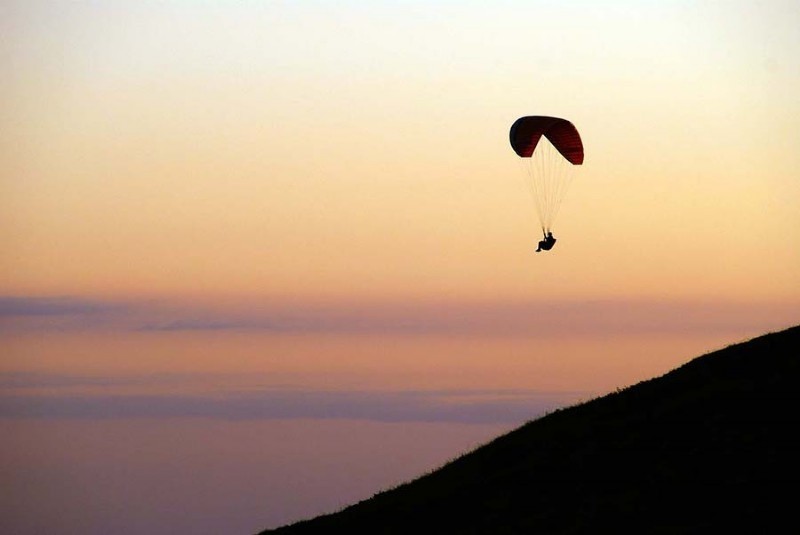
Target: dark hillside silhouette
710, 447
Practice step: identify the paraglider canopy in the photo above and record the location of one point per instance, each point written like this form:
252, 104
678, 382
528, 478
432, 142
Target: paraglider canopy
526, 132
549, 163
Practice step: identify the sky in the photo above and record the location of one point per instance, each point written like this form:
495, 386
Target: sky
293, 216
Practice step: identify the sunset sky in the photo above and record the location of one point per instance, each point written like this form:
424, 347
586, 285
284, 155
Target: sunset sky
310, 211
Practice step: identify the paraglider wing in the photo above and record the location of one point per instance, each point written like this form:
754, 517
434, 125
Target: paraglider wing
549, 163
526, 132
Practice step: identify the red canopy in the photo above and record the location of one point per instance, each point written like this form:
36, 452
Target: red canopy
526, 132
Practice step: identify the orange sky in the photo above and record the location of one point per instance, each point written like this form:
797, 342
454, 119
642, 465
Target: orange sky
182, 171
209, 176
222, 160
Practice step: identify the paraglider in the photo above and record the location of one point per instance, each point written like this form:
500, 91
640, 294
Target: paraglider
550, 150
547, 243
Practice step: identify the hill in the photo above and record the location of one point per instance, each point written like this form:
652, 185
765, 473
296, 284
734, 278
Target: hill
710, 447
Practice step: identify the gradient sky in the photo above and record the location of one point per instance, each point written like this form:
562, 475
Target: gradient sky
310, 212
306, 149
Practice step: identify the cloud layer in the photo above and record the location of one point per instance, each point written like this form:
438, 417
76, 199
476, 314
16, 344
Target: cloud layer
540, 319
19, 401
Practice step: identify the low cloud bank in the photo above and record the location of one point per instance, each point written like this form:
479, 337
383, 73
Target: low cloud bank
502, 318
468, 407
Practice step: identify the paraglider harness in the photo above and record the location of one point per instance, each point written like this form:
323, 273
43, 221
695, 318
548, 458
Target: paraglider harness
547, 243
